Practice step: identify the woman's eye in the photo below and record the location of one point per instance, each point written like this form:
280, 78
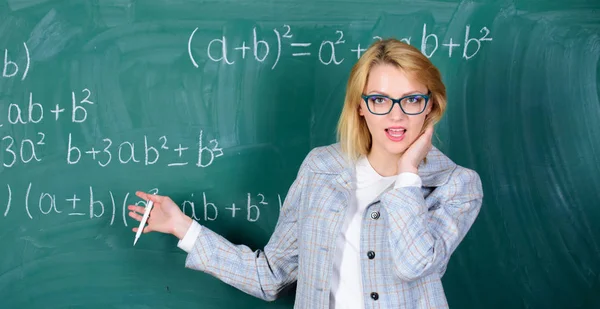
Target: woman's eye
378, 100
413, 100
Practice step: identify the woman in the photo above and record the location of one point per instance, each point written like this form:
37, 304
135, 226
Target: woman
370, 221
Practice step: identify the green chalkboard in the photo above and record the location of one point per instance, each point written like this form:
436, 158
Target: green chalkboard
216, 103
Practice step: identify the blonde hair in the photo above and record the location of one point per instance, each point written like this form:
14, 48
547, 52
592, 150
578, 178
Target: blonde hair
353, 133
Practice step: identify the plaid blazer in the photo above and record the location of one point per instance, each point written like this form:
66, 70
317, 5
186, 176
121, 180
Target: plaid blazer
413, 232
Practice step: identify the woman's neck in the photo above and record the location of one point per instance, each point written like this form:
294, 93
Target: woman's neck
383, 163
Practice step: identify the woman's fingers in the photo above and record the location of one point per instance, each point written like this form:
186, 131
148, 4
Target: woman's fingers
138, 209
141, 195
135, 216
423, 143
429, 130
137, 212
145, 196
147, 229
426, 136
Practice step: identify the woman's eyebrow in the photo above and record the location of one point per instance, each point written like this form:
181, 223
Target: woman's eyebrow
403, 95
378, 92
413, 92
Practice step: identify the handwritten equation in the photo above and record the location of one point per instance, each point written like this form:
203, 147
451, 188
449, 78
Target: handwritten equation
34, 112
38, 202
149, 152
143, 151
332, 51
25, 147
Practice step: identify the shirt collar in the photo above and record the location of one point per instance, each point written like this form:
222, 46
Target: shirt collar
330, 160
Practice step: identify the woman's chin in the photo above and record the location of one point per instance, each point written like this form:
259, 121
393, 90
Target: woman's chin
396, 149
393, 148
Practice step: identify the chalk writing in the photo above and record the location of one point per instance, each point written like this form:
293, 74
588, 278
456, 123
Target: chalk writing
131, 152
11, 68
23, 151
329, 51
98, 204
33, 112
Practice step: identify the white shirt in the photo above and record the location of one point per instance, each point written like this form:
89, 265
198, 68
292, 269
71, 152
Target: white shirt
346, 284
346, 289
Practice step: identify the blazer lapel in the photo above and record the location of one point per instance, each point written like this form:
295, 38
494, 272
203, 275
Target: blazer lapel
437, 170
329, 160
434, 173
343, 182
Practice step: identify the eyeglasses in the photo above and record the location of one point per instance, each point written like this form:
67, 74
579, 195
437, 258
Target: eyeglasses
413, 104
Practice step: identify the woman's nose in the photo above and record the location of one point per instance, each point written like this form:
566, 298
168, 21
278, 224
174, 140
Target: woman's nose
396, 113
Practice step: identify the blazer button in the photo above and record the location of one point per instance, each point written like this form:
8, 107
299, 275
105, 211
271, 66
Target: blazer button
374, 296
371, 255
375, 215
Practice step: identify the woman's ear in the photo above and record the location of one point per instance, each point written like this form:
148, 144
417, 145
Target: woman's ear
360, 110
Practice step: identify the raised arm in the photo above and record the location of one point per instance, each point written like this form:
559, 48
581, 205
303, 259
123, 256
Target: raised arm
261, 273
422, 241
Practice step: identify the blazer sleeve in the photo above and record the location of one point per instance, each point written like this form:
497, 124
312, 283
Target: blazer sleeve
422, 241
261, 273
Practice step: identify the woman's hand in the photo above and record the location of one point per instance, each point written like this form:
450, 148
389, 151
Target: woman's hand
412, 157
165, 217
